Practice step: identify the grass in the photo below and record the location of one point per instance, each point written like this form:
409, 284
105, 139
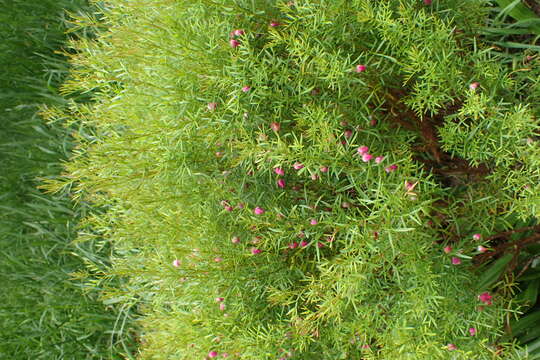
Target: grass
43, 314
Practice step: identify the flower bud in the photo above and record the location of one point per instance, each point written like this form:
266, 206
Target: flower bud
360, 68
362, 150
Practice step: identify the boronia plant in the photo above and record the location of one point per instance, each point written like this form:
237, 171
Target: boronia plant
308, 179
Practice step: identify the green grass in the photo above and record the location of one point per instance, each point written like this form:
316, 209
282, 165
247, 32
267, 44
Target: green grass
43, 314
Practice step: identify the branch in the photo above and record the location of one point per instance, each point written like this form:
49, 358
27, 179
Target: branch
516, 245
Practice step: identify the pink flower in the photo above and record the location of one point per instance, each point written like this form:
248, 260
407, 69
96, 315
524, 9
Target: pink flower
481, 249
427, 2
456, 260
234, 43
472, 331
222, 306
477, 237
451, 347
258, 211
297, 166
218, 259
362, 150
279, 171
474, 85
320, 244
409, 185
391, 168
485, 298
324, 169
176, 263
275, 126
313, 222
255, 251
314, 177
212, 106
219, 154
212, 354
274, 24
367, 157
379, 159
293, 245
238, 32
347, 133
281, 183
224, 355
229, 208
246, 88
235, 240
304, 243
219, 299
360, 68
447, 249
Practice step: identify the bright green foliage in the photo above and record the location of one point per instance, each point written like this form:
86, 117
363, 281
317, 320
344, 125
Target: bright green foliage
181, 179
43, 314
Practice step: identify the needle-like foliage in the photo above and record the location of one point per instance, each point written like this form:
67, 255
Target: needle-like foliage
303, 179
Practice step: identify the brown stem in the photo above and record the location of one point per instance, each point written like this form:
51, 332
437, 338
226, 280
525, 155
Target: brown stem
517, 245
426, 126
513, 231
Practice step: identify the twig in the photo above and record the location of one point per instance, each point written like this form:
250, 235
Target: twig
514, 231
518, 245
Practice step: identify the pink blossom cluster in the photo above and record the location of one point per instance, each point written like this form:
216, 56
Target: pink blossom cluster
363, 151
233, 37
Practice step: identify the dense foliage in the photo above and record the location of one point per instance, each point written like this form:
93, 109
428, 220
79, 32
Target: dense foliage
43, 314
307, 179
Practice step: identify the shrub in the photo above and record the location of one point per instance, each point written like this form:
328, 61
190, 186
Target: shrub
306, 179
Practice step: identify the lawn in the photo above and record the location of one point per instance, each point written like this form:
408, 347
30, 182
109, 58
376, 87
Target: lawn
43, 313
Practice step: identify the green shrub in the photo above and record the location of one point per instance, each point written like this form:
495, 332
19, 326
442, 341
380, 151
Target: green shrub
241, 156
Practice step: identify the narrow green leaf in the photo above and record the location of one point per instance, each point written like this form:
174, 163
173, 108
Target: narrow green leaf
492, 274
520, 12
525, 323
